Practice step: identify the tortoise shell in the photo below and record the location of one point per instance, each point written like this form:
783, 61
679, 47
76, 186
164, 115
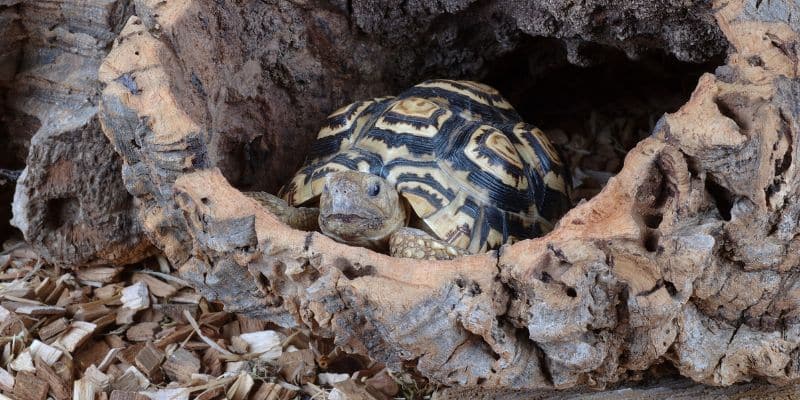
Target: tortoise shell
457, 152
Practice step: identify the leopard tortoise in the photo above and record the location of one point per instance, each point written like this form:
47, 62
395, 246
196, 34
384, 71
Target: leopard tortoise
444, 169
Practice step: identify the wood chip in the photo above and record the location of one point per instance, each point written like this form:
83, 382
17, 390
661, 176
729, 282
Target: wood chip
108, 292
231, 332
175, 311
90, 311
128, 353
157, 287
267, 344
298, 367
181, 364
248, 325
125, 395
212, 393
105, 321
65, 369
29, 387
98, 274
188, 296
383, 382
206, 339
168, 394
44, 289
124, 316
6, 380
212, 364
136, 297
66, 298
13, 325
241, 388
235, 367
84, 389
23, 362
149, 360
141, 332
175, 336
349, 389
5, 314
327, 378
61, 285
115, 342
110, 356
7, 276
53, 328
131, 380
273, 391
151, 314
58, 388
46, 353
100, 380
37, 311
114, 371
19, 290
90, 353
77, 334
196, 346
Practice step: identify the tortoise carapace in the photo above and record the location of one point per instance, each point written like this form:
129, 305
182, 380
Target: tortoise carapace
443, 169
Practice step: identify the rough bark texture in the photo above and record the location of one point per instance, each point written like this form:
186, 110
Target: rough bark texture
70, 202
260, 76
677, 389
12, 37
688, 256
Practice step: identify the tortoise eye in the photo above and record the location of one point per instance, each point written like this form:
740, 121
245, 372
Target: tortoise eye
373, 189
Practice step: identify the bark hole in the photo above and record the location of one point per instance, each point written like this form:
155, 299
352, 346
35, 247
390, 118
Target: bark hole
594, 109
61, 212
723, 198
653, 221
593, 114
651, 238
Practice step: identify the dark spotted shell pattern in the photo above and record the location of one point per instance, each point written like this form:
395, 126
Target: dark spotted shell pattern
458, 153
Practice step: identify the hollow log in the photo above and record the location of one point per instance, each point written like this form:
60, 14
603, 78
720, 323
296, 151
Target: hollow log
688, 256
70, 201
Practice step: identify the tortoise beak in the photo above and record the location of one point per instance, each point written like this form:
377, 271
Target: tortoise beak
340, 195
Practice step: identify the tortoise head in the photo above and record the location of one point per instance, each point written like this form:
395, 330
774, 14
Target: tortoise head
360, 209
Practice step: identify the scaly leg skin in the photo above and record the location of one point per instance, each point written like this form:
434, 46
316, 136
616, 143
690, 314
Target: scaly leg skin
303, 218
415, 243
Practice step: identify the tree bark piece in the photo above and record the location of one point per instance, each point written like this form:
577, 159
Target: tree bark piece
70, 201
687, 256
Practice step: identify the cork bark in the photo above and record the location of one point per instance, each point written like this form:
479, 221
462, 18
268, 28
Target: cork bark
69, 202
688, 256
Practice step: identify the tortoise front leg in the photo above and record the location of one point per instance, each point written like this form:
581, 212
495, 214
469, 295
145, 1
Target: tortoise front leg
304, 218
415, 243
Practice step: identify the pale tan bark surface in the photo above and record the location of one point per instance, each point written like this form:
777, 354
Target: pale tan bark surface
688, 256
